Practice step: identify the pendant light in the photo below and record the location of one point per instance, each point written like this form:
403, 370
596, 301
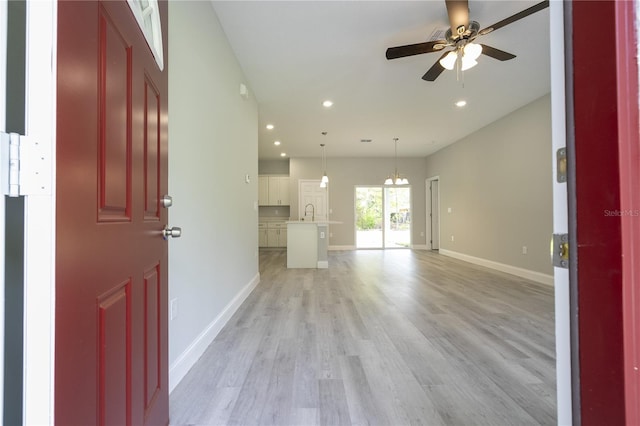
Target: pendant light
325, 179
396, 178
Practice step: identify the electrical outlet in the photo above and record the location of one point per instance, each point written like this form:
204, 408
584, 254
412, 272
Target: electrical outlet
174, 309
422, 234
524, 250
449, 210
321, 234
452, 238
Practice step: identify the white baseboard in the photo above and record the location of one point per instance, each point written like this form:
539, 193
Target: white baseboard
181, 366
420, 247
502, 267
342, 247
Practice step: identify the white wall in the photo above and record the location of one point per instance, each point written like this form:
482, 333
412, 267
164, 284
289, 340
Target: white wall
498, 184
347, 173
213, 139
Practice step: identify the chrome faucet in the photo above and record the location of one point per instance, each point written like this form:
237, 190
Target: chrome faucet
313, 212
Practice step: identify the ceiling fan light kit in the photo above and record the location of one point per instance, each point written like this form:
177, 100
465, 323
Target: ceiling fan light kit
460, 36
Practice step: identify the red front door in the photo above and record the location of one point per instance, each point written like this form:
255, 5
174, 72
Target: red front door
111, 259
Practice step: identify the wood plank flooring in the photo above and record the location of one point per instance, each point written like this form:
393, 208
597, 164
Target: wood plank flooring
395, 337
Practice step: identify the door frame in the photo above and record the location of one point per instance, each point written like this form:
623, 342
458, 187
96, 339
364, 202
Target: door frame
39, 285
566, 349
428, 207
627, 18
3, 116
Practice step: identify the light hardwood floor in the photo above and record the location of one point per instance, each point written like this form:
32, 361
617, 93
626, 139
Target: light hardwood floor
395, 337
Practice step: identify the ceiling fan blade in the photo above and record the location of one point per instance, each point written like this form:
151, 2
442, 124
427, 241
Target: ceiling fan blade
523, 14
415, 49
458, 11
498, 54
435, 70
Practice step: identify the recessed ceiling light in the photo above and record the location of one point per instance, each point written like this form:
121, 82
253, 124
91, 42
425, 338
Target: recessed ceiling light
276, 143
283, 154
460, 104
269, 126
327, 104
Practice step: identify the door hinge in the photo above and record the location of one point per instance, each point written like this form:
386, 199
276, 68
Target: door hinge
25, 166
560, 250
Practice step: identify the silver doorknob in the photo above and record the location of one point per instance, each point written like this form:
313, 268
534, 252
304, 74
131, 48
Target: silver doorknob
174, 232
166, 201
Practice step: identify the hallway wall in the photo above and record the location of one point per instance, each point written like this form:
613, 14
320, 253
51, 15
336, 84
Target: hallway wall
213, 134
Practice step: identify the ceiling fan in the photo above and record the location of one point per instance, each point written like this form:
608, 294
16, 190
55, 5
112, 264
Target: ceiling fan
461, 36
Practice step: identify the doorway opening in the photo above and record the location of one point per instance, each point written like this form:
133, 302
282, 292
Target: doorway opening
382, 217
433, 210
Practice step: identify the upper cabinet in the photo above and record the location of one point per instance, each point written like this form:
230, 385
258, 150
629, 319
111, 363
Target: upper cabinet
263, 190
273, 190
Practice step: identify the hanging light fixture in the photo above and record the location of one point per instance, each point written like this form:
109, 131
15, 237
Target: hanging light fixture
325, 179
396, 178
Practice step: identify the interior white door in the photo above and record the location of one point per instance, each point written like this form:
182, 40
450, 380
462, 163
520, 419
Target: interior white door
435, 214
310, 194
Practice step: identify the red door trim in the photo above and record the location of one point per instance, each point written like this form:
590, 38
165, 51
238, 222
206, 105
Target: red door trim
629, 155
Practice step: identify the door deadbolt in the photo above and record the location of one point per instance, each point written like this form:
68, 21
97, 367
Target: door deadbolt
174, 232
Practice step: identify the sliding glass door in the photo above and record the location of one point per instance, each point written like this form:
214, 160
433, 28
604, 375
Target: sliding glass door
383, 217
397, 218
369, 217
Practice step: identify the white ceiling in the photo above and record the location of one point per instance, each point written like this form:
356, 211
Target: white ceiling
295, 54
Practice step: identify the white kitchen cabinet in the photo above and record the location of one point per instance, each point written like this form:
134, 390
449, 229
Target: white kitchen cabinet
262, 235
273, 190
282, 182
263, 190
272, 234
282, 235
272, 237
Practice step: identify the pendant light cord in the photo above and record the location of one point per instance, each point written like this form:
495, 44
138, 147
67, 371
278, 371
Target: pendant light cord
396, 155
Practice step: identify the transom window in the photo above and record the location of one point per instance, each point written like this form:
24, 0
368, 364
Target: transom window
148, 18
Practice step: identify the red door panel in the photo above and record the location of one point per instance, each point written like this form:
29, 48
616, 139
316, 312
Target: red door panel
152, 138
114, 101
111, 261
113, 355
152, 336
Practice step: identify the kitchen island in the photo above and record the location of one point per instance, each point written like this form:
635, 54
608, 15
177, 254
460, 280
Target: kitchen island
307, 243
